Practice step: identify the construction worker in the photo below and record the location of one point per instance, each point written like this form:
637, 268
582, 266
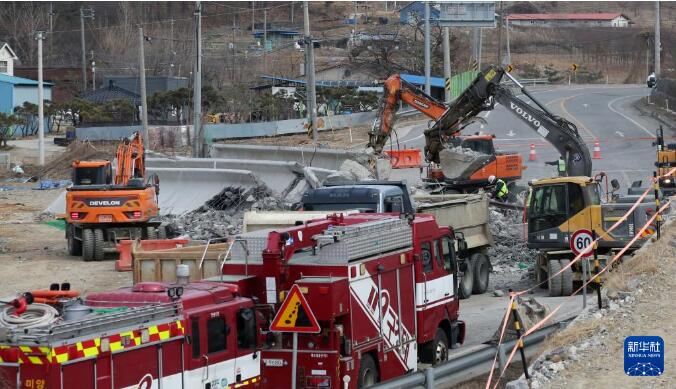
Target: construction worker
560, 166
500, 191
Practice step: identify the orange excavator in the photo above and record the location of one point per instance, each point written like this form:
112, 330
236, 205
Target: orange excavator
466, 161
103, 208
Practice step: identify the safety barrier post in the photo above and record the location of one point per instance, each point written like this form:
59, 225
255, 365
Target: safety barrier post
584, 283
519, 341
597, 269
658, 219
429, 378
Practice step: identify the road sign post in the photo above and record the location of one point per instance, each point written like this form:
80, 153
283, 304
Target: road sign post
295, 316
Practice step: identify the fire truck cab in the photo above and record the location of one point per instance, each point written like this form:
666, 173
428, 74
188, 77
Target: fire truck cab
383, 288
151, 335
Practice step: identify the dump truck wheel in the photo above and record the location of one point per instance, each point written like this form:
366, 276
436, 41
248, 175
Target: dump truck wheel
481, 272
368, 372
74, 245
467, 281
150, 233
88, 244
98, 244
554, 282
435, 351
566, 278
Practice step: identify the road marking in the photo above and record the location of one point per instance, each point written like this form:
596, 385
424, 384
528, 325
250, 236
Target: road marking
563, 108
610, 107
510, 133
620, 134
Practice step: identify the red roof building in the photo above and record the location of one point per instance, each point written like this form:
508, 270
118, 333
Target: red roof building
606, 19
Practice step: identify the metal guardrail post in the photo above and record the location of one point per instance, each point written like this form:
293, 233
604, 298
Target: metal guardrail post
658, 219
429, 378
585, 265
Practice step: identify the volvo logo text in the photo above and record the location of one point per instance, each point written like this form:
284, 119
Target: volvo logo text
524, 114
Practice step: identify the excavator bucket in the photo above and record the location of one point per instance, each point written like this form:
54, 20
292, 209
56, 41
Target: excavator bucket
529, 312
459, 163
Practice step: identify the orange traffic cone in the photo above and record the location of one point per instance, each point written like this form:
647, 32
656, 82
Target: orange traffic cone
531, 155
597, 150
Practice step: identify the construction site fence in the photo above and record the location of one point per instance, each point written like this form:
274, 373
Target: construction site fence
178, 135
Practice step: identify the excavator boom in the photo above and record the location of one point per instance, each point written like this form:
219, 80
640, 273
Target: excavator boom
130, 160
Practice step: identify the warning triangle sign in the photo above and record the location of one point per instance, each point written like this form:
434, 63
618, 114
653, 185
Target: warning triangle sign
295, 315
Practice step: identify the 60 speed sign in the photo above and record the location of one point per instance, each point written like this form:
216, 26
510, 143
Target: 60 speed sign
579, 240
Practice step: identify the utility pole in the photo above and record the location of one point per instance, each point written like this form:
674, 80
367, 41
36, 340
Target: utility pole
171, 50
84, 60
91, 58
292, 12
447, 65
428, 89
232, 49
41, 103
142, 76
499, 60
658, 42
265, 40
509, 53
84, 13
481, 43
51, 30
198, 143
310, 76
253, 16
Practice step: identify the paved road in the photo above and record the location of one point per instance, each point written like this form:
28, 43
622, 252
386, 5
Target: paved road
600, 112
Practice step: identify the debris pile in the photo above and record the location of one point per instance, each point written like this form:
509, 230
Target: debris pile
465, 151
221, 216
510, 256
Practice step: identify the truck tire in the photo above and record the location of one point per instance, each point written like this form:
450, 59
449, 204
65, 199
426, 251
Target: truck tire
553, 267
566, 278
88, 244
435, 351
482, 267
74, 245
368, 372
466, 283
98, 244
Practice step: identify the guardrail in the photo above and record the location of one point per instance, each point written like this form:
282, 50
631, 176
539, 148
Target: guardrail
534, 81
458, 365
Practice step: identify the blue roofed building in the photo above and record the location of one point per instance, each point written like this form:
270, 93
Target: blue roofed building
14, 91
414, 13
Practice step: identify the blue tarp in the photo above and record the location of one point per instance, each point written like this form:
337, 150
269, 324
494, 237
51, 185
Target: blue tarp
52, 184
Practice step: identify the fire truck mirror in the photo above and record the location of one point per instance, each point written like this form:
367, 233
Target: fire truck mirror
462, 246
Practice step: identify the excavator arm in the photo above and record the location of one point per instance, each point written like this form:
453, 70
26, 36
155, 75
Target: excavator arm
396, 90
482, 95
130, 160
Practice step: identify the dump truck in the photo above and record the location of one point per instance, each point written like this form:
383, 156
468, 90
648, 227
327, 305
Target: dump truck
152, 335
382, 287
466, 213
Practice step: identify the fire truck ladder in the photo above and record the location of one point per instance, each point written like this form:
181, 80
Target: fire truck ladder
348, 243
128, 318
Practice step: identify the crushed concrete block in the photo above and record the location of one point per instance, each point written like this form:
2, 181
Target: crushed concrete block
521, 383
356, 170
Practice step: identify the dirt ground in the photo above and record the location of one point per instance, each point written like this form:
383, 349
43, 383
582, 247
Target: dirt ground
33, 254
653, 313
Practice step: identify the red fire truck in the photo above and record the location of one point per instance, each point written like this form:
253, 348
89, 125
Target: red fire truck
383, 288
152, 335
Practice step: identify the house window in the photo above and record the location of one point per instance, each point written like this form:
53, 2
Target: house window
3, 66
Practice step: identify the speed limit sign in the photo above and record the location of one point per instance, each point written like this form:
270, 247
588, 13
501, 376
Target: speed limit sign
580, 240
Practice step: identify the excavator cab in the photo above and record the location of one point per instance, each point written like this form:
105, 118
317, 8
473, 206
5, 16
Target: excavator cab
92, 173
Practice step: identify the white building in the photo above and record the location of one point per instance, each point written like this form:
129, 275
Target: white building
569, 20
7, 58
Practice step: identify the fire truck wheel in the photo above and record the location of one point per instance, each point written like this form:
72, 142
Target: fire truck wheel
88, 244
554, 282
566, 278
98, 244
466, 281
368, 372
482, 268
435, 351
74, 245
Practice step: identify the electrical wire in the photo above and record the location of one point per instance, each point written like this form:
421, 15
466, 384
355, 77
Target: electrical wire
36, 315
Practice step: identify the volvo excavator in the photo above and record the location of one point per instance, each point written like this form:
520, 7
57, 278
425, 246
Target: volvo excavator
103, 206
556, 208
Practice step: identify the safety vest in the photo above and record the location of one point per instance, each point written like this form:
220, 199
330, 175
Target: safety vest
502, 189
562, 165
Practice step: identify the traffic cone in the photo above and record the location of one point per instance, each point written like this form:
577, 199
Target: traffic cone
531, 155
597, 150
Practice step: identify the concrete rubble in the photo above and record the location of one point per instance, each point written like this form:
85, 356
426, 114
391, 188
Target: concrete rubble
511, 258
